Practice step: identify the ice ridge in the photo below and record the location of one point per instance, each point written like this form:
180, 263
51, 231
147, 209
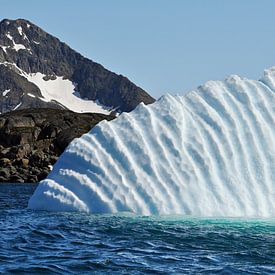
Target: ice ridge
208, 153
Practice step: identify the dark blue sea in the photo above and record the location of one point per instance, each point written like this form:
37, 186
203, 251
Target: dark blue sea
72, 243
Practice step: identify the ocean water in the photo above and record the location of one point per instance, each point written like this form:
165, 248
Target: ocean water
41, 242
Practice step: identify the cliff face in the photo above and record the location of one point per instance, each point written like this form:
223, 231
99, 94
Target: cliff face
32, 140
26, 52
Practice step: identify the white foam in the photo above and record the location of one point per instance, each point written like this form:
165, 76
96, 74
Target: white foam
208, 153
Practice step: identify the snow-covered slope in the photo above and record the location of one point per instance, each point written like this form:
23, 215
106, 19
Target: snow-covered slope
64, 92
208, 153
57, 76
58, 90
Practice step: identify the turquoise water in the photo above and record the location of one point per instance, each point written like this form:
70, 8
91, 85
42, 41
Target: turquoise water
69, 243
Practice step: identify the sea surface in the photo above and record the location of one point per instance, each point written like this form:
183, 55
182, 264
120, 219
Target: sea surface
41, 242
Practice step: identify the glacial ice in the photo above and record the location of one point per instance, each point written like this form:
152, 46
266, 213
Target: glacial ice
208, 153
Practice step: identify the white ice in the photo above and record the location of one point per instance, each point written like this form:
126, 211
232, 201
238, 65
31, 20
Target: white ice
208, 153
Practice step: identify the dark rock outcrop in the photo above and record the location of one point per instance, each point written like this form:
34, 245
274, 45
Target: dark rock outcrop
26, 47
32, 140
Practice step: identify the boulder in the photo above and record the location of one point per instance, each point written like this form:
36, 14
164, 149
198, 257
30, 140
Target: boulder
31, 140
5, 162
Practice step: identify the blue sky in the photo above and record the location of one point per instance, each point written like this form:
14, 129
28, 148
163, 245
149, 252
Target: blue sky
161, 45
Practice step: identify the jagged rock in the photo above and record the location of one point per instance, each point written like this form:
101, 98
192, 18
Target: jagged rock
25, 162
32, 178
16, 178
5, 162
4, 172
43, 174
4, 151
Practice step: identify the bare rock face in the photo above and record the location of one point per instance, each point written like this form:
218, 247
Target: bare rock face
35, 131
27, 49
31, 140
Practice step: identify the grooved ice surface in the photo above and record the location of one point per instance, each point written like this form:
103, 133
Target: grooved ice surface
208, 153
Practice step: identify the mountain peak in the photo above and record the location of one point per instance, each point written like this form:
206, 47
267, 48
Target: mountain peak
8, 21
39, 70
15, 25
19, 37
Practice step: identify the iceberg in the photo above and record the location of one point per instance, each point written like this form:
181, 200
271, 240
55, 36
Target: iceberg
210, 152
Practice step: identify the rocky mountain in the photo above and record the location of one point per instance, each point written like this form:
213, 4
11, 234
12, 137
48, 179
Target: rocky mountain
31, 140
37, 70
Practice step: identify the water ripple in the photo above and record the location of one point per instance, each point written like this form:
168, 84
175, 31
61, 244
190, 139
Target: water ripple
69, 243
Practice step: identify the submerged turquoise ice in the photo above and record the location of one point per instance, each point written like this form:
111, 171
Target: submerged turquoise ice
208, 153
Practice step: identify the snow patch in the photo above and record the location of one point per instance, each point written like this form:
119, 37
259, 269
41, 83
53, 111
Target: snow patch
20, 30
9, 37
6, 92
17, 106
63, 91
35, 42
31, 95
19, 70
4, 48
16, 46
25, 37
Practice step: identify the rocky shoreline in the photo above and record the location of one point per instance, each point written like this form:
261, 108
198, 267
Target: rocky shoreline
31, 140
